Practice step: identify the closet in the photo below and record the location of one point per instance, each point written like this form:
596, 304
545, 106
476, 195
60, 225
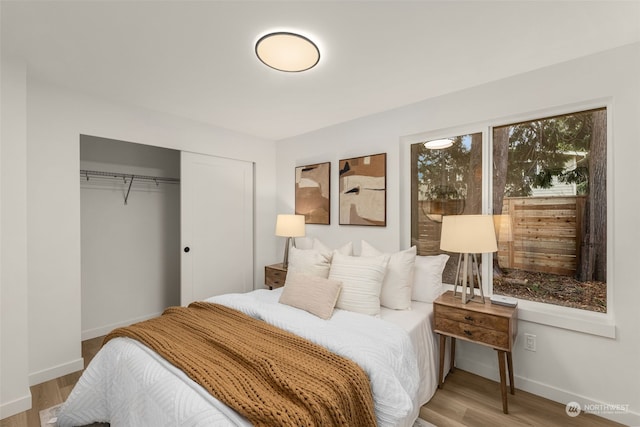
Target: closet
159, 227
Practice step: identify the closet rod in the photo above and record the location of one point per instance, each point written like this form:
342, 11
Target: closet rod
157, 179
88, 173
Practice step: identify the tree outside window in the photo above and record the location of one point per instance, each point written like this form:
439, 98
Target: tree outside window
549, 198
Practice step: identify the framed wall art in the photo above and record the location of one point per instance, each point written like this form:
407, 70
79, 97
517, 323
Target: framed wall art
313, 192
363, 190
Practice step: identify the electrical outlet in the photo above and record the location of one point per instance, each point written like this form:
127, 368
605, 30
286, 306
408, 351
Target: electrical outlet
530, 342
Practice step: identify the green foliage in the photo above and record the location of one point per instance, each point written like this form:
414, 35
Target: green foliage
541, 153
442, 192
542, 150
443, 173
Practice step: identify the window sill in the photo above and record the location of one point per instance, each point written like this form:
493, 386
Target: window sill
573, 319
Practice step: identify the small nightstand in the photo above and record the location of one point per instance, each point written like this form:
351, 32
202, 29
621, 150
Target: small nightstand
275, 275
487, 324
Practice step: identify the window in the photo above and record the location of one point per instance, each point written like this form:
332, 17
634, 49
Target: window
447, 180
548, 198
550, 201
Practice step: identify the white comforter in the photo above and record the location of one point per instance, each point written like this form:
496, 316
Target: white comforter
130, 385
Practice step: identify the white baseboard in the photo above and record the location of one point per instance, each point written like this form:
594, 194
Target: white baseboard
104, 330
21, 404
549, 392
56, 372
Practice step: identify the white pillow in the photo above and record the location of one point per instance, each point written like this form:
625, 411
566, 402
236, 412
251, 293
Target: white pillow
361, 279
427, 277
315, 261
309, 261
396, 286
303, 242
346, 249
310, 293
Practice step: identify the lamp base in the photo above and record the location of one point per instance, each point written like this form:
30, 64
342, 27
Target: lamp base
285, 261
464, 278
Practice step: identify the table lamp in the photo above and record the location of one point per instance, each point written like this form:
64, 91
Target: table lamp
468, 235
289, 226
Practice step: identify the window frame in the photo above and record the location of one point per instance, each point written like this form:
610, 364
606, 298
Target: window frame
585, 321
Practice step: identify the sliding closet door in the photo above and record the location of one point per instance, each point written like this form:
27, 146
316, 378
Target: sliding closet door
217, 226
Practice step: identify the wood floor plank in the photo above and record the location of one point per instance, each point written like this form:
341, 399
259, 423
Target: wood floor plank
19, 420
470, 400
437, 418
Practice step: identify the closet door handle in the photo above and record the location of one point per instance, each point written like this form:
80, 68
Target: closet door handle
186, 249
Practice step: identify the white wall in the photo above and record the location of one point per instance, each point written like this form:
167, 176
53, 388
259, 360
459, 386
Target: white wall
55, 120
14, 387
568, 365
130, 253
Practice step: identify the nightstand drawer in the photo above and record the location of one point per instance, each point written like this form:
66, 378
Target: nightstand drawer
488, 321
274, 276
468, 331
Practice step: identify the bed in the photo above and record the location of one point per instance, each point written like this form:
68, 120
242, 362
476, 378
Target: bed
128, 384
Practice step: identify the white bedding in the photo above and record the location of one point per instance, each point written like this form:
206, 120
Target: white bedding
418, 322
130, 385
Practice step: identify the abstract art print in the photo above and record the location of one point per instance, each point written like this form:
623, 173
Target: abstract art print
312, 192
363, 190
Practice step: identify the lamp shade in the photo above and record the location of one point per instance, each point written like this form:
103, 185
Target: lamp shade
290, 225
504, 231
470, 234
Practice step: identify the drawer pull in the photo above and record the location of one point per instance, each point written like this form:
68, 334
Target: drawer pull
469, 318
468, 333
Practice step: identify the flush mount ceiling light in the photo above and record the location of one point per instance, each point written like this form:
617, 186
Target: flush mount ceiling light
288, 52
438, 144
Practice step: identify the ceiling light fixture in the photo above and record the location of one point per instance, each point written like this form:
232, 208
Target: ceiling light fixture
288, 52
438, 144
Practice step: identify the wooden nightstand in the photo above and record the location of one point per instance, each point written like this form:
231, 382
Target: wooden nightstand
275, 275
488, 324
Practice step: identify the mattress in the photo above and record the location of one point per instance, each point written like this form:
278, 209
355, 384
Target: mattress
129, 384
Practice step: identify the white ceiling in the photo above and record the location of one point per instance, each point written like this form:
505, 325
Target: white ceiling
196, 59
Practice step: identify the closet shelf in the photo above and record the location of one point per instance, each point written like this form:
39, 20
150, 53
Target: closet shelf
87, 174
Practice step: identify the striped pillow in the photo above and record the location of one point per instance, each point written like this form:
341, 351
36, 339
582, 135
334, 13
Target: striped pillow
361, 279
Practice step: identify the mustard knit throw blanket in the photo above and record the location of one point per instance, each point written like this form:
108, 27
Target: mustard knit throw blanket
272, 377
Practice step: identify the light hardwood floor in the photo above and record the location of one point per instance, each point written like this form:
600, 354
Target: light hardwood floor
465, 400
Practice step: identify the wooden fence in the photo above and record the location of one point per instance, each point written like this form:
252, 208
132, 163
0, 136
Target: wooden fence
534, 234
543, 234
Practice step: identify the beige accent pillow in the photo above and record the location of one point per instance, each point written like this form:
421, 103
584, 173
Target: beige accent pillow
314, 294
396, 286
